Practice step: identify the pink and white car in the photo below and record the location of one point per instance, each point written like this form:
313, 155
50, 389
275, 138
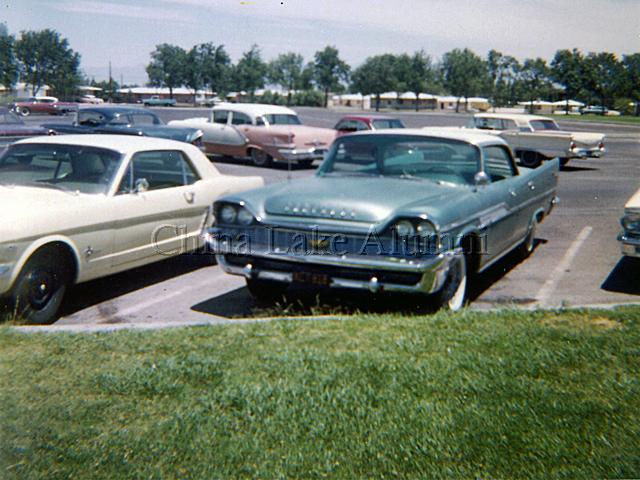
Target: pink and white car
266, 133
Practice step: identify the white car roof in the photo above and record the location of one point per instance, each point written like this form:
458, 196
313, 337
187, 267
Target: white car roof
255, 109
120, 143
449, 133
517, 117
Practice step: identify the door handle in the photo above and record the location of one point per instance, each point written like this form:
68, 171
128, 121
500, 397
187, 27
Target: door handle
513, 193
531, 185
189, 196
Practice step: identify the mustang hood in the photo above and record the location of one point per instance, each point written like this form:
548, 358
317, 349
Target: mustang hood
358, 199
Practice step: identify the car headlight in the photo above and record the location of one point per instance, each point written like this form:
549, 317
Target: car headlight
228, 214
426, 229
244, 216
631, 222
404, 228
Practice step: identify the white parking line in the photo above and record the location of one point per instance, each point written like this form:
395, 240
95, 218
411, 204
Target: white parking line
550, 285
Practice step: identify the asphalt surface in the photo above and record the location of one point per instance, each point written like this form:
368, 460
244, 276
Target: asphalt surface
576, 261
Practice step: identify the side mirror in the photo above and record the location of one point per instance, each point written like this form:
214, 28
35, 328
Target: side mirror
481, 179
141, 185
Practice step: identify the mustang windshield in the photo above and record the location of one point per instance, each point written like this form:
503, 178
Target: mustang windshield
403, 156
67, 167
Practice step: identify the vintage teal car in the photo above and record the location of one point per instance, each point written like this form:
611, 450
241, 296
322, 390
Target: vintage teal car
395, 211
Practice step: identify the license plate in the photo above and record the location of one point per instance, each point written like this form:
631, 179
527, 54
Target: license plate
312, 278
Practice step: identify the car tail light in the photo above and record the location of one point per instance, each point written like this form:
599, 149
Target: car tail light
601, 146
573, 146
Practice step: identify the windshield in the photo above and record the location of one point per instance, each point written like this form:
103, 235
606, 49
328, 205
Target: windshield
403, 156
7, 117
544, 125
387, 123
67, 167
282, 119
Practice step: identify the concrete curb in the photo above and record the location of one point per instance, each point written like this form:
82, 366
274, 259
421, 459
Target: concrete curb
108, 328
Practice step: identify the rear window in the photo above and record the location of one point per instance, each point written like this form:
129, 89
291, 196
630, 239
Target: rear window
543, 125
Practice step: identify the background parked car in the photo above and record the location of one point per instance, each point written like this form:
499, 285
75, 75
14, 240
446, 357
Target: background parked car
12, 128
534, 138
266, 133
43, 105
79, 207
357, 123
91, 99
125, 121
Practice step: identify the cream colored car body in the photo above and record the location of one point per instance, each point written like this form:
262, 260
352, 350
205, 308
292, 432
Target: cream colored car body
112, 232
520, 132
630, 236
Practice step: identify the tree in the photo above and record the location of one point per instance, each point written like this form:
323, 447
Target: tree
415, 73
604, 75
286, 71
251, 71
464, 73
216, 67
329, 71
535, 78
8, 60
375, 76
631, 64
566, 69
46, 58
167, 67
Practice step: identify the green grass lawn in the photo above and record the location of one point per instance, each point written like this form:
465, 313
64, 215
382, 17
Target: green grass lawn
627, 119
471, 395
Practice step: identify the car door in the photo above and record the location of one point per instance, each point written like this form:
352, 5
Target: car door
162, 205
517, 192
504, 219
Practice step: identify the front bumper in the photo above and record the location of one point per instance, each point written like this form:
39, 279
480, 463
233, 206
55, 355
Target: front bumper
630, 245
363, 272
296, 155
595, 152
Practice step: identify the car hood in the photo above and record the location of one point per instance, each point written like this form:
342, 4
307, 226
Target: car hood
34, 211
183, 134
357, 199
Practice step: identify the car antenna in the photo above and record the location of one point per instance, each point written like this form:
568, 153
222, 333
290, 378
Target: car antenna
289, 161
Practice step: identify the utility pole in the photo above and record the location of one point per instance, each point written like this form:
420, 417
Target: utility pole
110, 84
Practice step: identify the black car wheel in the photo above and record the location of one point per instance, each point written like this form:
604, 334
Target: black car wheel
24, 111
40, 287
453, 294
261, 158
530, 159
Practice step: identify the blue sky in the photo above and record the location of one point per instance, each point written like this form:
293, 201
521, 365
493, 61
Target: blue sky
126, 31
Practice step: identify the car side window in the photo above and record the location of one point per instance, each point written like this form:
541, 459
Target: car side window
509, 125
220, 116
157, 170
347, 126
360, 125
498, 163
260, 121
143, 119
90, 119
240, 119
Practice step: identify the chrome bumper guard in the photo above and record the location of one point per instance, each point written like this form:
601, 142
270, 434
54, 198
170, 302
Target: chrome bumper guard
432, 270
630, 245
305, 154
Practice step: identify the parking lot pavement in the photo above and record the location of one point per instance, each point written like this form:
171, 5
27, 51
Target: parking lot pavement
576, 261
